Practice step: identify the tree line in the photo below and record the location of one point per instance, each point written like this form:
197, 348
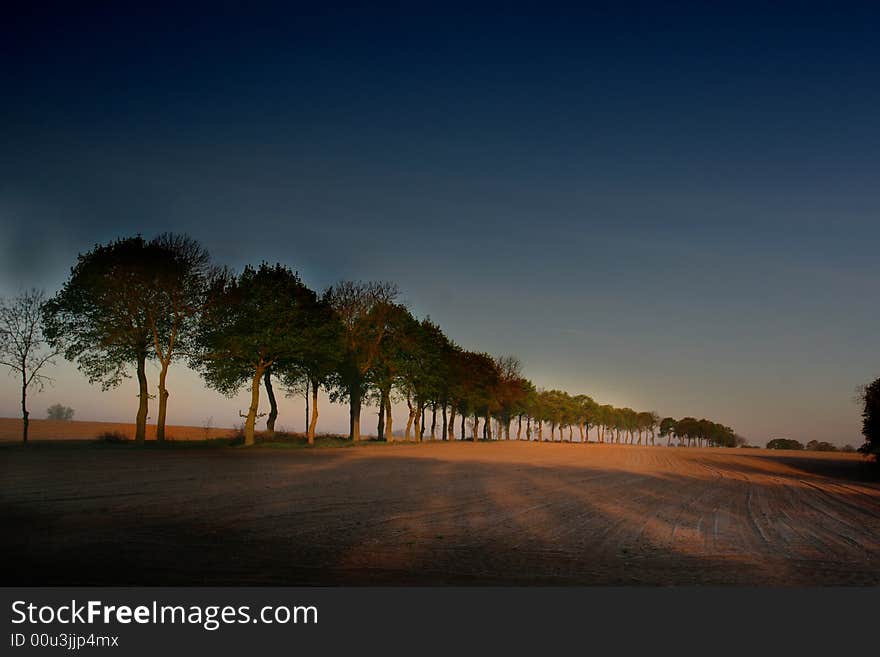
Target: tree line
134, 300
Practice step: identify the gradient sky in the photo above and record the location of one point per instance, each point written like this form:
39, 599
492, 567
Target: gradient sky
666, 208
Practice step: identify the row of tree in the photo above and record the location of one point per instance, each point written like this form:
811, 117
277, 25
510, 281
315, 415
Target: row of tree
135, 300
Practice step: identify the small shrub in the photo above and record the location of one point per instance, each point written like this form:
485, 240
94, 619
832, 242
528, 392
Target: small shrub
112, 437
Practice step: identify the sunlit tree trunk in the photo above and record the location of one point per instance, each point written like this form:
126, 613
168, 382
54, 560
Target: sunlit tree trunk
452, 422
252, 410
314, 420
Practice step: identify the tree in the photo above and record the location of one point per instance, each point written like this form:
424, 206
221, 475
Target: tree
784, 443
177, 278
871, 418
667, 428
318, 359
24, 348
258, 320
820, 446
59, 412
100, 319
364, 310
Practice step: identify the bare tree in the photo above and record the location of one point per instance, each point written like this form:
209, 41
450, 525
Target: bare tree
23, 347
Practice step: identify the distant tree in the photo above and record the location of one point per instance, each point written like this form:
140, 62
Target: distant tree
100, 318
252, 322
59, 412
847, 448
820, 446
784, 443
24, 348
667, 429
740, 441
870, 398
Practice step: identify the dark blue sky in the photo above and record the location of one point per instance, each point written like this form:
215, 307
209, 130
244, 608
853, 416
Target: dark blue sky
665, 207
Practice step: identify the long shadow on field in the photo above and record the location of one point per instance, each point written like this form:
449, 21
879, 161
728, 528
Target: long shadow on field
331, 517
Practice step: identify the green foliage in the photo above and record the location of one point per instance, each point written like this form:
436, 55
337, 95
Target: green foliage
784, 443
100, 318
820, 446
265, 316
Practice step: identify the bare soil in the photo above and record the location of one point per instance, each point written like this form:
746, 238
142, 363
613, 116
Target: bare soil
434, 514
10, 430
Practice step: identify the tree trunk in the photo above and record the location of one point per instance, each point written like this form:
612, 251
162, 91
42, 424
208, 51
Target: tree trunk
307, 405
443, 429
487, 428
313, 422
423, 413
252, 410
354, 414
24, 411
417, 421
163, 403
519, 427
380, 428
452, 422
462, 426
409, 418
140, 430
389, 419
273, 405
433, 420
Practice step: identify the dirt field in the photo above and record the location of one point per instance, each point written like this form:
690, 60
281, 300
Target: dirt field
497, 513
10, 430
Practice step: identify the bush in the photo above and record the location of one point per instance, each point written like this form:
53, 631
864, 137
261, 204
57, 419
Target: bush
817, 446
112, 437
59, 412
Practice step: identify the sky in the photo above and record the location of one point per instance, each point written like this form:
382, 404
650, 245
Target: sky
665, 207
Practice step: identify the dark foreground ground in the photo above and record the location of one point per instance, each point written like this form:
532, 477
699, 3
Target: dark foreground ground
498, 513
